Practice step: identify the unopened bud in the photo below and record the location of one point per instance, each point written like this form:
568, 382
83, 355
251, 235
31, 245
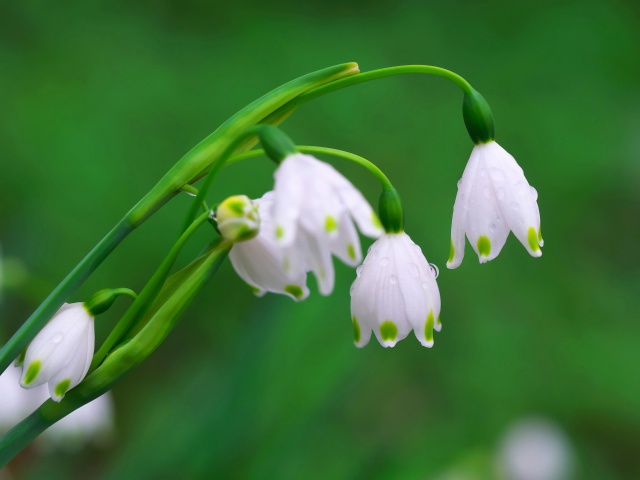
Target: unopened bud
238, 218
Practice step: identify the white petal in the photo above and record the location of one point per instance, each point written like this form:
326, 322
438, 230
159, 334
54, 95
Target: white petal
461, 209
486, 227
519, 201
346, 245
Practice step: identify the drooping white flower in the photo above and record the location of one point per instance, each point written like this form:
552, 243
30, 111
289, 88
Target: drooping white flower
493, 198
61, 353
395, 292
263, 264
314, 210
17, 403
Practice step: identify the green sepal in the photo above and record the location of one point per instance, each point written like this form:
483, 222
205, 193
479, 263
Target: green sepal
477, 117
102, 300
275, 143
390, 211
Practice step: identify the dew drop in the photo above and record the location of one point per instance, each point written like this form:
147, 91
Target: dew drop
425, 286
415, 271
393, 279
57, 338
383, 262
534, 194
359, 270
352, 289
496, 174
521, 188
435, 270
459, 183
514, 205
493, 227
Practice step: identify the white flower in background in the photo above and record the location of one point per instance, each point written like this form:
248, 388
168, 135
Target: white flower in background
61, 353
314, 211
262, 263
493, 198
17, 403
92, 423
238, 218
395, 292
535, 449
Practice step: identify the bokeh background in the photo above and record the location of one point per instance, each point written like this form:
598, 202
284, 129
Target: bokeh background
99, 99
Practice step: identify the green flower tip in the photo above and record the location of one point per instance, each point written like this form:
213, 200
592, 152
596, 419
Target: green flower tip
62, 388
356, 330
32, 372
484, 246
388, 331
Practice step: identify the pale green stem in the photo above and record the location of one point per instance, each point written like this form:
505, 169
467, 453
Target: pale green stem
352, 157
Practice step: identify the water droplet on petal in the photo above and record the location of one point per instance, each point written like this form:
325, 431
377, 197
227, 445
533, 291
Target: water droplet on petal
459, 183
393, 279
352, 289
415, 271
57, 338
497, 175
425, 286
514, 205
500, 193
383, 262
534, 194
521, 188
493, 227
434, 270
359, 270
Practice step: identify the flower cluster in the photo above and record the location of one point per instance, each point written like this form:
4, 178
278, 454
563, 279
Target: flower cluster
312, 213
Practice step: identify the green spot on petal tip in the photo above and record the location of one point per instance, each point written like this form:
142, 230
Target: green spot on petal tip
351, 251
484, 246
356, 330
255, 290
279, 232
388, 330
62, 388
294, 290
428, 327
330, 224
32, 372
452, 252
532, 238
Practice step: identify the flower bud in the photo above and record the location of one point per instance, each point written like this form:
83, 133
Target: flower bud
238, 218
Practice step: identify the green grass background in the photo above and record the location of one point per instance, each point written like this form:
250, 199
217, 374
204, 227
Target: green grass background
99, 99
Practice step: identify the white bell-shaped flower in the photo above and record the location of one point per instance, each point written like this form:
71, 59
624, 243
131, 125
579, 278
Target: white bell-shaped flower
61, 353
395, 292
263, 263
493, 198
314, 211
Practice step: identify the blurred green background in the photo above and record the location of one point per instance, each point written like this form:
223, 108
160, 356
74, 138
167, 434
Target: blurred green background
99, 99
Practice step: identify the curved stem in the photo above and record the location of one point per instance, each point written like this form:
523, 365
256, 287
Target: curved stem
367, 77
147, 295
373, 168
125, 291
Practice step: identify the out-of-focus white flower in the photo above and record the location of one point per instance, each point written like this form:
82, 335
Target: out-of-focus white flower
16, 403
535, 449
263, 264
60, 354
238, 218
92, 423
395, 292
493, 198
314, 211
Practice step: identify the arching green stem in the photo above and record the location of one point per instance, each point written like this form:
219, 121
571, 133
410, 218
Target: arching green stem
367, 77
352, 157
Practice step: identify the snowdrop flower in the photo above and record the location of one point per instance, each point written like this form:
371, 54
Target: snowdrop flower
262, 263
238, 218
395, 292
535, 449
61, 353
17, 403
315, 208
493, 198
92, 423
